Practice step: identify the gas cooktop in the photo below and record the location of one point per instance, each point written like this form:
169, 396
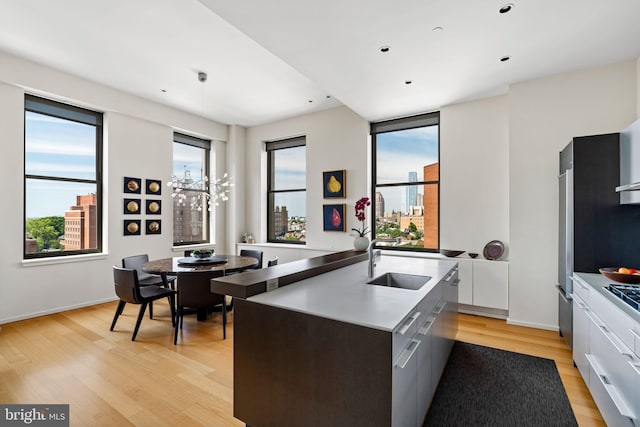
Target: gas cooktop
627, 293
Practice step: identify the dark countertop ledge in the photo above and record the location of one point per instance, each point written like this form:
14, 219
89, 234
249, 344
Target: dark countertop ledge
253, 282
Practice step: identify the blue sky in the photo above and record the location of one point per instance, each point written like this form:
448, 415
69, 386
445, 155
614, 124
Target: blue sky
290, 174
60, 148
188, 158
399, 153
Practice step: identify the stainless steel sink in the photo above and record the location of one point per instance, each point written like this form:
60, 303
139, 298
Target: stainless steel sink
400, 280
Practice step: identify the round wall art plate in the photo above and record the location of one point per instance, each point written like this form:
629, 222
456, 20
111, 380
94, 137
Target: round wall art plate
493, 250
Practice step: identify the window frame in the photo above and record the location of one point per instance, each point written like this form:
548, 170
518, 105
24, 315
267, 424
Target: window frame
394, 125
205, 144
271, 147
72, 113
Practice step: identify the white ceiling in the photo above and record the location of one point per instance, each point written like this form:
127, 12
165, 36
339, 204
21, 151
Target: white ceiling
269, 60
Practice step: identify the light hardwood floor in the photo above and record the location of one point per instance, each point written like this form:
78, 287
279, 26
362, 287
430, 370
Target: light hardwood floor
108, 380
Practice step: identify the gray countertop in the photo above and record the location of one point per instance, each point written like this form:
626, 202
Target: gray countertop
344, 295
599, 282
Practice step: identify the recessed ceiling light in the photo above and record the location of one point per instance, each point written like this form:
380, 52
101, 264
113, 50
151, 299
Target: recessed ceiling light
506, 8
385, 49
505, 58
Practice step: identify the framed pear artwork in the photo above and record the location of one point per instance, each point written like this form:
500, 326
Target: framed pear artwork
334, 184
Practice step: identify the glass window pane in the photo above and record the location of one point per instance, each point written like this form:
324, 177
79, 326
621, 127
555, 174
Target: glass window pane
289, 168
189, 166
191, 209
289, 216
409, 212
60, 216
401, 156
190, 216
59, 148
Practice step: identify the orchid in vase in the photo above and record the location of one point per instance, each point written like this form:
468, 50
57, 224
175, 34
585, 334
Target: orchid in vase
361, 206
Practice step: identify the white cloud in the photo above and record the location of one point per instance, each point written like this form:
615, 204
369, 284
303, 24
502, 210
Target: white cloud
34, 145
397, 165
39, 168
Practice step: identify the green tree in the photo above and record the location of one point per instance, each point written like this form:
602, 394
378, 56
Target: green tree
46, 231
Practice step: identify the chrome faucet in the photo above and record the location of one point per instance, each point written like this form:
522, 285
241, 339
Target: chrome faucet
372, 263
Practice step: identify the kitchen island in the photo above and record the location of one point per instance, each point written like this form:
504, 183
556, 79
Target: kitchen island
333, 350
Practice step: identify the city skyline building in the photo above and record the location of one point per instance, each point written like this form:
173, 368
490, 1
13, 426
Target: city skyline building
430, 204
281, 221
80, 224
379, 205
189, 211
412, 191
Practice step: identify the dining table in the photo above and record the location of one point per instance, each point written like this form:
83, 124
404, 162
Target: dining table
175, 265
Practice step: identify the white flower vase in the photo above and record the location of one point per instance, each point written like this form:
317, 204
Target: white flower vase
360, 243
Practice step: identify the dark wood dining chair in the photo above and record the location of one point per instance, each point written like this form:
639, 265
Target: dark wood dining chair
145, 279
137, 261
254, 254
272, 262
129, 290
194, 292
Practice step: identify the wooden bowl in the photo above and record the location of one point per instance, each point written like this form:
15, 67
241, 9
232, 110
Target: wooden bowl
612, 273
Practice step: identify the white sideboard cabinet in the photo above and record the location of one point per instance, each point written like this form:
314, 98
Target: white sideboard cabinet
484, 283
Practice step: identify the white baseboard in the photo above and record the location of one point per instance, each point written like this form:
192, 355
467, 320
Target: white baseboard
532, 325
483, 311
54, 310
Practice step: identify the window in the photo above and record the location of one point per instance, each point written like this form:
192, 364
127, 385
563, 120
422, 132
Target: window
62, 179
287, 190
190, 190
406, 181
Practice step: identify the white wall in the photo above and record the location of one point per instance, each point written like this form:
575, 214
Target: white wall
336, 139
236, 210
138, 143
544, 115
638, 88
540, 117
474, 174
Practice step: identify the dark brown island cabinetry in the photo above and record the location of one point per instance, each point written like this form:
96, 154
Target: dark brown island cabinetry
298, 369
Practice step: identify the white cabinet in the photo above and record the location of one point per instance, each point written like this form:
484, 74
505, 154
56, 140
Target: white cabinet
465, 274
483, 283
636, 339
581, 289
581, 336
491, 284
425, 388
404, 387
421, 347
609, 371
604, 343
